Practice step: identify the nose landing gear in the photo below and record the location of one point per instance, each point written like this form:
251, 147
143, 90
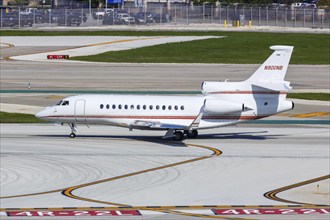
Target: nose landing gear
73, 130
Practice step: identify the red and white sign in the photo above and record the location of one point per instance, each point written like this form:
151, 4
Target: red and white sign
57, 57
75, 213
299, 211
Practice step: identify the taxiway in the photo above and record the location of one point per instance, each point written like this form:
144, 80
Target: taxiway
107, 166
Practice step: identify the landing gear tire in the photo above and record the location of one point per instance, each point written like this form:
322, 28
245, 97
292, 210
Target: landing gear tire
73, 130
178, 136
191, 133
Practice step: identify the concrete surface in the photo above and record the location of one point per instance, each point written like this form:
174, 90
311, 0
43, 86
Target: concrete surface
42, 159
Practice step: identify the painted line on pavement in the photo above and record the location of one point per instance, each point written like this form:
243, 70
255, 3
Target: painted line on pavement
273, 194
312, 114
69, 191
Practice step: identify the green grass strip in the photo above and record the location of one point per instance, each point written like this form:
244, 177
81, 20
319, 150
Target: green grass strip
310, 96
6, 117
236, 47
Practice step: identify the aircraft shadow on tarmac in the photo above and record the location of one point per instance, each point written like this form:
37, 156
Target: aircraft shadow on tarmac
260, 135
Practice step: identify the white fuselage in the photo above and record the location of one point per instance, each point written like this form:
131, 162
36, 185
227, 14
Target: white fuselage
125, 110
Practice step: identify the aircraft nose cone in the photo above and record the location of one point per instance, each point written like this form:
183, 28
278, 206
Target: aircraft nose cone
40, 114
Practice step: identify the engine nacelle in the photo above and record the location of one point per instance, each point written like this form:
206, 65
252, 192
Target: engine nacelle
285, 105
216, 106
219, 87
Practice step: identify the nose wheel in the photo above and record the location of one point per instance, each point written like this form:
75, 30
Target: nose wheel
73, 130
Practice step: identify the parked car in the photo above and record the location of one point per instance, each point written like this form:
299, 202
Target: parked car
143, 17
70, 19
111, 19
28, 11
7, 20
26, 20
126, 18
41, 16
54, 15
161, 18
12, 19
100, 14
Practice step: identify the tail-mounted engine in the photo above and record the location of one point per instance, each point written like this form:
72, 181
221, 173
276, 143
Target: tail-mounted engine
209, 88
216, 106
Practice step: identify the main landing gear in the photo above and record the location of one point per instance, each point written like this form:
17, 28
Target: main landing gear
73, 130
179, 135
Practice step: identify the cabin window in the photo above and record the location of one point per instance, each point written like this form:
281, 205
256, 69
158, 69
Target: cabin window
101, 106
65, 103
132, 106
119, 106
113, 106
150, 107
107, 106
157, 107
144, 107
126, 106
169, 107
138, 107
182, 107
164, 107
176, 107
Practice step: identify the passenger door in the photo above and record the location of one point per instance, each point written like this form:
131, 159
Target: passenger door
79, 110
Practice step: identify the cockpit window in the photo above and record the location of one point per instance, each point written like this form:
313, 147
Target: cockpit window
65, 103
59, 103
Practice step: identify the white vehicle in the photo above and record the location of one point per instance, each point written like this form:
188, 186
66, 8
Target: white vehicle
222, 104
101, 14
28, 11
126, 18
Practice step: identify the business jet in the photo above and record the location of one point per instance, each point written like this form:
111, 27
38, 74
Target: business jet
222, 104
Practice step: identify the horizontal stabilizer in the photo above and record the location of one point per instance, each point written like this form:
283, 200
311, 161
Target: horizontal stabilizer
275, 86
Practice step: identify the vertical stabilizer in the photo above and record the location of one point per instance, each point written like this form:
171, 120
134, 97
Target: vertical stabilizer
275, 67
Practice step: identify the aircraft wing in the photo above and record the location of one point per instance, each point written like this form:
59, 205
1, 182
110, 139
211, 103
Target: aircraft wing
151, 125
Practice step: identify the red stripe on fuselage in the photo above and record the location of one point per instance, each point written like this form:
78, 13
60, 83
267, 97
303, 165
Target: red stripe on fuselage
250, 92
222, 117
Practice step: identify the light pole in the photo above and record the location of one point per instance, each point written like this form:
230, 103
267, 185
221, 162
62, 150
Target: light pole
90, 7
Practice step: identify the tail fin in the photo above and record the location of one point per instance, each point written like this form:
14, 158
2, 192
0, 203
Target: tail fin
275, 67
